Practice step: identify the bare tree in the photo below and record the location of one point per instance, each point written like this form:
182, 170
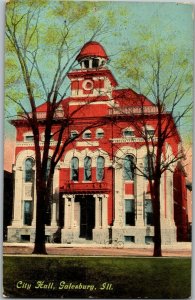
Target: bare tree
27, 43
166, 77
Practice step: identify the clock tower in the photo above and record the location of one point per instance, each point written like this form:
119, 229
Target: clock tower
93, 78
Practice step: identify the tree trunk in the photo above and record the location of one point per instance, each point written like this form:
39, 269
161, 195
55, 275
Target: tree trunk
39, 246
157, 222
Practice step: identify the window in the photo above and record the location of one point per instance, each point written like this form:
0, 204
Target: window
86, 63
87, 134
95, 63
27, 212
150, 132
99, 133
130, 212
149, 240
149, 220
129, 239
43, 137
75, 169
149, 166
25, 238
128, 132
29, 138
29, 162
129, 166
87, 168
100, 168
73, 134
48, 168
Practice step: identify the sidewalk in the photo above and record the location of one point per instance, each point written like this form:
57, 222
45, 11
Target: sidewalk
177, 250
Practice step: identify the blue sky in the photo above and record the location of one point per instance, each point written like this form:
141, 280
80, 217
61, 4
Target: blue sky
163, 19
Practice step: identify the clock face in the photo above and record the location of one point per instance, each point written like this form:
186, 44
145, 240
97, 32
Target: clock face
87, 85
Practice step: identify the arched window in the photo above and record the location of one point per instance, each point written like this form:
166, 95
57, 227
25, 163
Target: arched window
99, 133
74, 169
87, 134
129, 167
29, 162
149, 166
48, 168
87, 168
100, 168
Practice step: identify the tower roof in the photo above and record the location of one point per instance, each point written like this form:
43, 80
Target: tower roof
93, 49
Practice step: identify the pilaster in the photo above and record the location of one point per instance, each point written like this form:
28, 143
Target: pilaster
139, 196
17, 214
105, 211
118, 205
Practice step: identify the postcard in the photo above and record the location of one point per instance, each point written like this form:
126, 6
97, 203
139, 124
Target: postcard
98, 149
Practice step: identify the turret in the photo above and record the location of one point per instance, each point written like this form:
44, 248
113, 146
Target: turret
94, 78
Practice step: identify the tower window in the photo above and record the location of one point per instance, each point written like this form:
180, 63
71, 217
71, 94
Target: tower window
75, 169
87, 168
86, 63
95, 63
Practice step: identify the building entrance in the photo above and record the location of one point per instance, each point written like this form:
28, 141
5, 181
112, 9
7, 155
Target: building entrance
87, 215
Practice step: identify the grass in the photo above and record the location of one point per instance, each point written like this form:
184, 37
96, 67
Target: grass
68, 277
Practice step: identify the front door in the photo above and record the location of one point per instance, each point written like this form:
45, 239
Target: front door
87, 216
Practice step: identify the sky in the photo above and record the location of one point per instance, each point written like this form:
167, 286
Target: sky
173, 18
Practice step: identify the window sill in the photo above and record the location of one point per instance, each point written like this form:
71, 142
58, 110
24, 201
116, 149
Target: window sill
87, 181
129, 181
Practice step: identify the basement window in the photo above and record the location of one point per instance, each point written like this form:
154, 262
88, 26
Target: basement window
25, 238
149, 240
129, 239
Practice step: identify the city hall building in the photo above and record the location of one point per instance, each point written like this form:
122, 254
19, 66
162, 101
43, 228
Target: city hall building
97, 191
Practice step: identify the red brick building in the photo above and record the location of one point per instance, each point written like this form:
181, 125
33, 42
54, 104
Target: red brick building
97, 194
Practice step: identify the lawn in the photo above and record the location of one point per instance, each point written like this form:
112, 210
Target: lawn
97, 277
